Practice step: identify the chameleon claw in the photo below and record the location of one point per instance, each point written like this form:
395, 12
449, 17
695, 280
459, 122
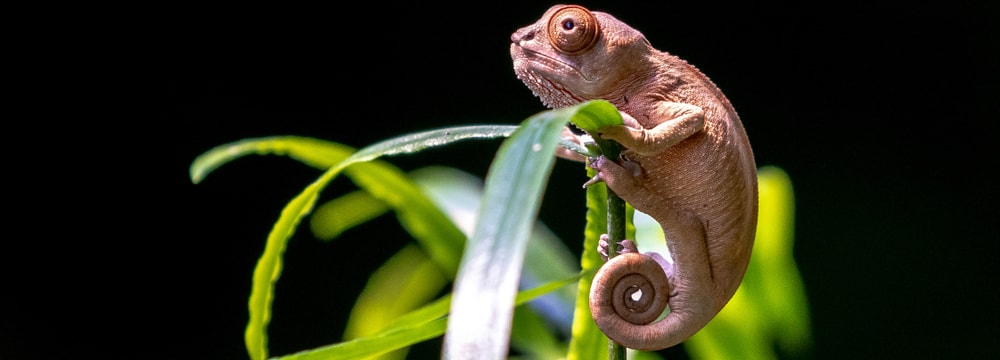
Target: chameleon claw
625, 247
628, 246
592, 162
594, 180
602, 247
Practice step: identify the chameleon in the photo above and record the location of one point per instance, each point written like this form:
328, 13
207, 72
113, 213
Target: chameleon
686, 162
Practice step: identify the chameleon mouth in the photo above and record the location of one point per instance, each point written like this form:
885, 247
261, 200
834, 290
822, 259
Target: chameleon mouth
546, 76
555, 65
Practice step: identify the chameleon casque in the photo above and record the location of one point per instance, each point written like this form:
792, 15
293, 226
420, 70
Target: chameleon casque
686, 162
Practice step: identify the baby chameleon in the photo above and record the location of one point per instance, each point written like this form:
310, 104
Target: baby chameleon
687, 163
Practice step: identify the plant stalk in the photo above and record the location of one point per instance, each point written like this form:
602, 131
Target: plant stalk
616, 233
616, 230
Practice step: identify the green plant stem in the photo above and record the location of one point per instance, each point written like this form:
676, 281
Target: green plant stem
616, 231
616, 223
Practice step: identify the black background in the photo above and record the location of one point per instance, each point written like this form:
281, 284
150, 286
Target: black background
885, 117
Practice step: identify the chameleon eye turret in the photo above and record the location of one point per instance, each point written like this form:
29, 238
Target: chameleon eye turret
573, 29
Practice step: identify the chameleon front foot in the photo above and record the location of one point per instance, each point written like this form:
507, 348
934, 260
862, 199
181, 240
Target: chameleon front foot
592, 163
623, 175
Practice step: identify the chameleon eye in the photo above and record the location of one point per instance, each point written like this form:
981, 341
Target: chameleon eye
573, 29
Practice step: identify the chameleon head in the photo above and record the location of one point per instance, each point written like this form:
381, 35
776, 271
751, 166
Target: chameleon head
565, 57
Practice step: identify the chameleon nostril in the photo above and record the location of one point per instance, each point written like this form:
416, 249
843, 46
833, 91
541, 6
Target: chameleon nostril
522, 35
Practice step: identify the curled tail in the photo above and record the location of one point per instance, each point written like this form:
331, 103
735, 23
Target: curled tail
629, 294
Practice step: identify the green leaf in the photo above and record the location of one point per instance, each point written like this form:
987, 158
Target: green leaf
783, 289
533, 338
423, 324
268, 270
338, 215
379, 179
482, 306
488, 275
547, 258
382, 343
437, 234
269, 265
316, 153
407, 272
596, 114
422, 140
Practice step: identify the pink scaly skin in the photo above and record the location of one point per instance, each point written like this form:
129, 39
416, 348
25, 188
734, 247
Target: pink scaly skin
687, 163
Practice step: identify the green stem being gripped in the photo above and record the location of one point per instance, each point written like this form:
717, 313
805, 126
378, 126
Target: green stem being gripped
616, 233
616, 228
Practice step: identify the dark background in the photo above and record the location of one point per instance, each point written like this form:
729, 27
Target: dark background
885, 117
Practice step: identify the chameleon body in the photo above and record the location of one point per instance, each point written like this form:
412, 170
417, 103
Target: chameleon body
687, 163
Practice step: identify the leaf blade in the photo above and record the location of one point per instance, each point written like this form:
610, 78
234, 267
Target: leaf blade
488, 275
317, 153
481, 321
419, 325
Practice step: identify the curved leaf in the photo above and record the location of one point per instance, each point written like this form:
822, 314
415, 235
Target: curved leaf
381, 180
408, 272
423, 324
458, 194
314, 152
428, 225
547, 258
596, 114
482, 306
268, 270
338, 215
487, 279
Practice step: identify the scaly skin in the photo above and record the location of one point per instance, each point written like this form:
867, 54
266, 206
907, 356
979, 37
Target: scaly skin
687, 161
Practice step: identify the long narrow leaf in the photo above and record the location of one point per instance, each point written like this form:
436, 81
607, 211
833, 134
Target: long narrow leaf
386, 183
408, 272
487, 280
334, 217
532, 337
547, 258
382, 343
437, 234
313, 152
269, 269
423, 324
